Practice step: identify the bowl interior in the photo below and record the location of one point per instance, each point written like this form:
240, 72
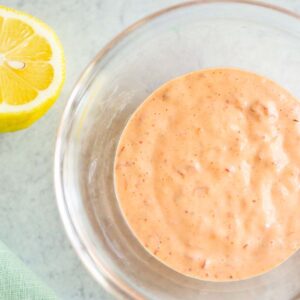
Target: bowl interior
178, 40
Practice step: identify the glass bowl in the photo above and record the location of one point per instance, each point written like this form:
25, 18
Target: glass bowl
190, 36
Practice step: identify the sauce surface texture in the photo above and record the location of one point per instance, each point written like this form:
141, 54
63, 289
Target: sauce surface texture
207, 174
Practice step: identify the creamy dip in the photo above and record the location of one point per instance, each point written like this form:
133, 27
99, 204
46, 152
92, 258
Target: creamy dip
207, 174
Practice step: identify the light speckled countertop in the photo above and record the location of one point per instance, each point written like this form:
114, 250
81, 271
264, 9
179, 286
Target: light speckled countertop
30, 224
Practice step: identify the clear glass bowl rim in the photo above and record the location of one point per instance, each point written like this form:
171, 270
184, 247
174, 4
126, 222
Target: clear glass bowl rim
110, 283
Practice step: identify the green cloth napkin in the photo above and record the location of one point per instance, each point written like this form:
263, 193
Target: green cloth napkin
19, 283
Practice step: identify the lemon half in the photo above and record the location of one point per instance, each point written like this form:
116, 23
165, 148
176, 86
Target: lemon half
32, 69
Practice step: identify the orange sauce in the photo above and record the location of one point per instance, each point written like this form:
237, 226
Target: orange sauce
207, 174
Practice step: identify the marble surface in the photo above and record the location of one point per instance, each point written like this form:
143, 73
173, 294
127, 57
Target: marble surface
29, 220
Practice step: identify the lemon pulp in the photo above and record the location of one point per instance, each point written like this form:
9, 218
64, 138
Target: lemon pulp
32, 69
